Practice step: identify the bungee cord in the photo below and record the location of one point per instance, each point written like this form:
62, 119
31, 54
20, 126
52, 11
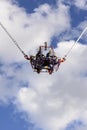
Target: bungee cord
14, 41
50, 67
76, 41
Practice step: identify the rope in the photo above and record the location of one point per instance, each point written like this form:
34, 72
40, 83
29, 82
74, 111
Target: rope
76, 41
14, 41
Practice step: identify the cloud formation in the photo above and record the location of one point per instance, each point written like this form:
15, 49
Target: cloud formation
33, 28
79, 4
55, 101
51, 102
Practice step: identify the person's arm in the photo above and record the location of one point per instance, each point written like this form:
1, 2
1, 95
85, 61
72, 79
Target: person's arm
26, 57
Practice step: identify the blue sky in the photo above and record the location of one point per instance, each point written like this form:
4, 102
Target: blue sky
11, 120
31, 5
41, 102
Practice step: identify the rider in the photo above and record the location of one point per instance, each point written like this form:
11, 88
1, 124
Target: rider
47, 62
39, 60
43, 62
36, 61
38, 55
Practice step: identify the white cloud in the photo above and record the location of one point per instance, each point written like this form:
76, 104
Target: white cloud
81, 4
30, 30
8, 87
52, 101
12, 78
75, 32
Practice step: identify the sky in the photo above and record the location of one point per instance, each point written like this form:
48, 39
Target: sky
31, 101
